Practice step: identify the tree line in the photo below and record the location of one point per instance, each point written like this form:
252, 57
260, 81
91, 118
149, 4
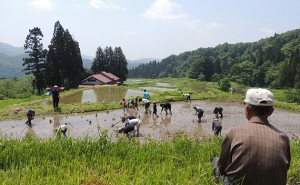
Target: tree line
62, 64
271, 62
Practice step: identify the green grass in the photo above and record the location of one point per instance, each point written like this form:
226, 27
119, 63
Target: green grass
87, 161
99, 161
16, 108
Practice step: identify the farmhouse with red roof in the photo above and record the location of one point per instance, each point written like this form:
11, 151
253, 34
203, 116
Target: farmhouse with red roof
102, 78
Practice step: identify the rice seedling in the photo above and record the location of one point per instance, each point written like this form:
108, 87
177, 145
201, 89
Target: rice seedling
74, 161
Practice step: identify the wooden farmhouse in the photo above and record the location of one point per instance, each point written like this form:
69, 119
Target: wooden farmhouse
102, 78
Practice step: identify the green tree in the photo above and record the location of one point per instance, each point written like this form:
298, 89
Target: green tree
35, 62
73, 71
120, 64
99, 61
64, 62
224, 84
55, 57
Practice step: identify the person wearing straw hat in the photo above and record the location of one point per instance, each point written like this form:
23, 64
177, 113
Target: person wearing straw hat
255, 152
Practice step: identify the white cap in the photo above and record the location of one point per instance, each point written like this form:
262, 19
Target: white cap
259, 97
55, 86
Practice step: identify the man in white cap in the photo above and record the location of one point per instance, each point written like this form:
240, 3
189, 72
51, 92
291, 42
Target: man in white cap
255, 152
55, 96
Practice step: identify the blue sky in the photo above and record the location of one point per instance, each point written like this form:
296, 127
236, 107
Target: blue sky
149, 28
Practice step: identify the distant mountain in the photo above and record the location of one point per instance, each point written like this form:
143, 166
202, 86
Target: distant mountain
135, 63
10, 50
11, 61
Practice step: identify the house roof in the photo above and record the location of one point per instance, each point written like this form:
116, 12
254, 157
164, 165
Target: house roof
110, 75
99, 77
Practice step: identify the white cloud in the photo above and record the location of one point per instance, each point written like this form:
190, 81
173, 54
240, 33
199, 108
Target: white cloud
43, 4
267, 31
99, 4
165, 10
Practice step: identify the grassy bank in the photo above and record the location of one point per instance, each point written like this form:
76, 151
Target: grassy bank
16, 108
71, 161
87, 161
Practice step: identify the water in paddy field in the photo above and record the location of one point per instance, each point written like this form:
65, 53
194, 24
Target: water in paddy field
106, 94
163, 127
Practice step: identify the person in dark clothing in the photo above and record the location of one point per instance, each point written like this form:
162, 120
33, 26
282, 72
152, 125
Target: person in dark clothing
217, 111
216, 127
130, 103
136, 103
127, 130
166, 107
55, 96
147, 105
30, 116
199, 113
155, 109
127, 119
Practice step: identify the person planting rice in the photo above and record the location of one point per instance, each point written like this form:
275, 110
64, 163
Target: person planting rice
217, 111
147, 105
62, 129
131, 128
30, 116
166, 107
187, 97
216, 127
155, 109
199, 113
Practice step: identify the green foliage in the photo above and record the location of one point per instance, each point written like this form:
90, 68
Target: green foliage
64, 62
87, 161
225, 84
251, 64
292, 95
72, 161
113, 61
35, 62
17, 88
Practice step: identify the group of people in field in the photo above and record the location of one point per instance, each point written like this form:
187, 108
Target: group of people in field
251, 153
62, 129
167, 108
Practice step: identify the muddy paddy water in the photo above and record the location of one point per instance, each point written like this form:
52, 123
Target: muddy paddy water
157, 128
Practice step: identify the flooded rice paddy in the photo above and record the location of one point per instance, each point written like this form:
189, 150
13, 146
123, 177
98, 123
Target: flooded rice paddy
157, 128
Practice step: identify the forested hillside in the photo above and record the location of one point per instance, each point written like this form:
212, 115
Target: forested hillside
273, 62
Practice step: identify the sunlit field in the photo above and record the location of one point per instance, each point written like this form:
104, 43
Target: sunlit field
100, 161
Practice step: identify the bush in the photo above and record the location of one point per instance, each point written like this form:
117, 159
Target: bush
225, 84
292, 95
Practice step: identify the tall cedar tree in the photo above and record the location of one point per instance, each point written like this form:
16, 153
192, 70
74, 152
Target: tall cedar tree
35, 63
112, 61
120, 64
99, 60
55, 58
73, 67
64, 62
